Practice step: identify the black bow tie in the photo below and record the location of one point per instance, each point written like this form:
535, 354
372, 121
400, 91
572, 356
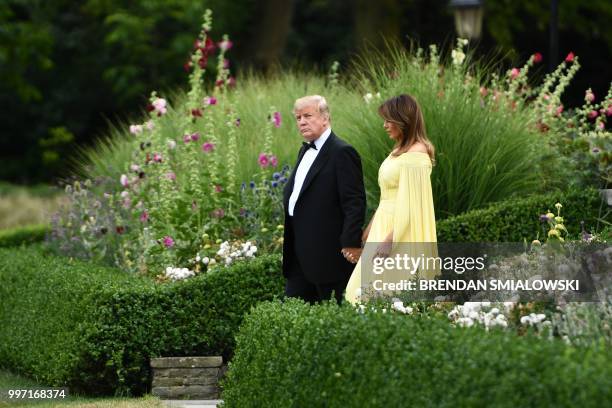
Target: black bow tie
308, 145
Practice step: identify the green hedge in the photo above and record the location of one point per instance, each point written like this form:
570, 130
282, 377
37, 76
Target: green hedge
94, 328
296, 355
23, 235
517, 219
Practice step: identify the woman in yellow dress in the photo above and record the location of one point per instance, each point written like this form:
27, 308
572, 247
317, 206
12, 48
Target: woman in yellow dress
405, 213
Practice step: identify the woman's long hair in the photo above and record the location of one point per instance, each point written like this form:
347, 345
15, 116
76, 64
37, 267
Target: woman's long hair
404, 111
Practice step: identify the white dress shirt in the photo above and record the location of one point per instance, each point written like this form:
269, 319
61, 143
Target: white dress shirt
302, 170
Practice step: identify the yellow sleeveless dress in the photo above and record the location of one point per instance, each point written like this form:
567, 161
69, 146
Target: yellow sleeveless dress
406, 208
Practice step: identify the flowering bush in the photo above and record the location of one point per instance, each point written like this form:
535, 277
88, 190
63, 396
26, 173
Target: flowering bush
179, 186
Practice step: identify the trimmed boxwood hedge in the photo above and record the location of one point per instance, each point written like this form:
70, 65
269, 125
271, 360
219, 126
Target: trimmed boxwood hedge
296, 355
93, 328
516, 219
23, 235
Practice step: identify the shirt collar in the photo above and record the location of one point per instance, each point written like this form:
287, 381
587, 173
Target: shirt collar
321, 140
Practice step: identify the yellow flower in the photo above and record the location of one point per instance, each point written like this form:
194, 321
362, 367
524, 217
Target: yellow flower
550, 215
536, 242
206, 246
280, 227
560, 227
559, 220
559, 206
264, 230
553, 233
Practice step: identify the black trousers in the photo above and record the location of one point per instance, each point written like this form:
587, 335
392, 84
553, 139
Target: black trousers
298, 286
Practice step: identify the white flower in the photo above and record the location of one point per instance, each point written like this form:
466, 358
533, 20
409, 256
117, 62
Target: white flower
124, 180
205, 260
198, 258
135, 129
125, 194
458, 57
368, 97
178, 273
171, 144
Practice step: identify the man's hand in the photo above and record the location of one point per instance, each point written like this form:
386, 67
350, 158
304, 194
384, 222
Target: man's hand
351, 254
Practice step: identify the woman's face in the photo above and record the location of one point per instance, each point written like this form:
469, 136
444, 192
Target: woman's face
393, 130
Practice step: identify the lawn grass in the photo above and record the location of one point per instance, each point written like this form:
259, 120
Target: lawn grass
11, 381
20, 205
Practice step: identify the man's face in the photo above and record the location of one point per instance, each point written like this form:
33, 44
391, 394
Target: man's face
310, 122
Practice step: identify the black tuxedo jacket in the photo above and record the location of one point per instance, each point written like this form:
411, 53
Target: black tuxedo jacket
328, 214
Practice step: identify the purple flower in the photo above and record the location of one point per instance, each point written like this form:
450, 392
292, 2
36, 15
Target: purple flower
144, 217
263, 160
208, 147
225, 45
237, 122
543, 218
273, 161
171, 176
218, 188
195, 136
276, 119
168, 241
187, 138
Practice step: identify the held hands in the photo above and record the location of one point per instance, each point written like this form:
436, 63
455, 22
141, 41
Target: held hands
351, 254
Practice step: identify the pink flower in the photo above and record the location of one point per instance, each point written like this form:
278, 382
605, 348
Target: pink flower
226, 64
237, 122
570, 57
127, 203
514, 72
168, 242
160, 106
276, 119
273, 161
218, 188
171, 176
601, 126
157, 158
135, 167
124, 180
144, 217
187, 138
546, 97
210, 100
231, 82
537, 58
483, 91
218, 213
135, 129
263, 160
559, 110
149, 125
195, 136
225, 45
208, 147
589, 96
592, 114
609, 110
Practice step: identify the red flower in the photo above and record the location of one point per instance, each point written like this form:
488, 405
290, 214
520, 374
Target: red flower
150, 108
537, 58
187, 66
570, 57
196, 112
202, 62
593, 114
120, 229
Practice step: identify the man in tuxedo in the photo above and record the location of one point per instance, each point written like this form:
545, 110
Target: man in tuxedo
325, 205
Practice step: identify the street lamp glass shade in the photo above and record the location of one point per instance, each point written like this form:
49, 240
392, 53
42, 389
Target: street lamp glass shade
468, 17
468, 22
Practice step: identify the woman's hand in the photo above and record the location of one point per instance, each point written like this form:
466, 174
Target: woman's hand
384, 248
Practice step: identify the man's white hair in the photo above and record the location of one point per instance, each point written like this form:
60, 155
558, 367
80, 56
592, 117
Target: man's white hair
317, 100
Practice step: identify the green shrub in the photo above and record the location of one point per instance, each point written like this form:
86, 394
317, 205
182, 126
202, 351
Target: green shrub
515, 219
23, 235
296, 355
94, 328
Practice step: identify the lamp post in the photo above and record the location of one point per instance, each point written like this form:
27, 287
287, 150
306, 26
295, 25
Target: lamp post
468, 18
